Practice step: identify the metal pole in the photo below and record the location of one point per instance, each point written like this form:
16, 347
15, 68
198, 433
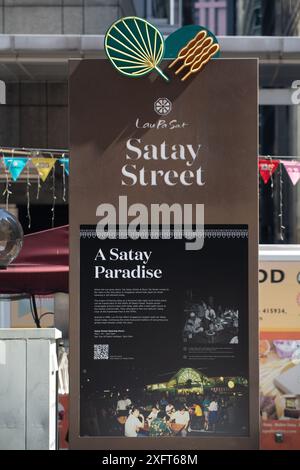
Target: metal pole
28, 151
172, 12
280, 157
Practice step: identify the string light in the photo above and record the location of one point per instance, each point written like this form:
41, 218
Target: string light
28, 184
38, 187
280, 215
64, 180
6, 191
53, 196
28, 153
38, 181
271, 176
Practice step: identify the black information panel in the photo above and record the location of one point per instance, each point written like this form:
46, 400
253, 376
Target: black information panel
164, 335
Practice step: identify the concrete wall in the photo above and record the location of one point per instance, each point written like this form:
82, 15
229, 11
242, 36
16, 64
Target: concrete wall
35, 115
61, 16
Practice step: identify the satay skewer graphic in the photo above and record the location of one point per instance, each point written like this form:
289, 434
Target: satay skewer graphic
199, 63
190, 47
195, 54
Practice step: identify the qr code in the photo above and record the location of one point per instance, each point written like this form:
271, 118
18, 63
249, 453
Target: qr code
101, 351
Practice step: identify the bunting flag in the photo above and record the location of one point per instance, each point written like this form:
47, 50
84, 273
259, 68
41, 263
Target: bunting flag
65, 163
43, 166
15, 165
293, 170
267, 168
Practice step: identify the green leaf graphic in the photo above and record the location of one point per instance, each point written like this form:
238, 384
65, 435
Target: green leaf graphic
135, 47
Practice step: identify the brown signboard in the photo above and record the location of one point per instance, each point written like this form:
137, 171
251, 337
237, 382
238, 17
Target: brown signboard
163, 311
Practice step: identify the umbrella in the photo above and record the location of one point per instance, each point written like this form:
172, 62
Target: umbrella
42, 266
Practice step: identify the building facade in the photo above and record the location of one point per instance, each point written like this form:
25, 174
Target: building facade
268, 17
280, 118
38, 37
218, 16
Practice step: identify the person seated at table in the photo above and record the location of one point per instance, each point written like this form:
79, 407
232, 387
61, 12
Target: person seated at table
211, 330
193, 325
197, 417
210, 314
159, 425
235, 319
198, 328
133, 424
170, 410
182, 417
210, 317
219, 324
228, 314
123, 406
153, 414
189, 327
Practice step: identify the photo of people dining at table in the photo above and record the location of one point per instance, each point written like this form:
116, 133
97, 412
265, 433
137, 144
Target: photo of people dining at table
188, 404
183, 417
207, 324
158, 423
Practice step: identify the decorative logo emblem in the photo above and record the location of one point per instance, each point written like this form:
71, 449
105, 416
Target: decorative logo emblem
162, 106
135, 47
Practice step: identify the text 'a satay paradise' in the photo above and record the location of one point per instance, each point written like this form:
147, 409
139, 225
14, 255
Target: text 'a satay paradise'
136, 151
139, 271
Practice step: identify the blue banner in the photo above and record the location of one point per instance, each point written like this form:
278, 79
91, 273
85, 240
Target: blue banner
15, 165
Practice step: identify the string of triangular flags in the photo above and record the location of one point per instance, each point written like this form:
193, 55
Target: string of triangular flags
268, 166
15, 165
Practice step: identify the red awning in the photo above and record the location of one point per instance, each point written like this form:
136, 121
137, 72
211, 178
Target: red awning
42, 266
